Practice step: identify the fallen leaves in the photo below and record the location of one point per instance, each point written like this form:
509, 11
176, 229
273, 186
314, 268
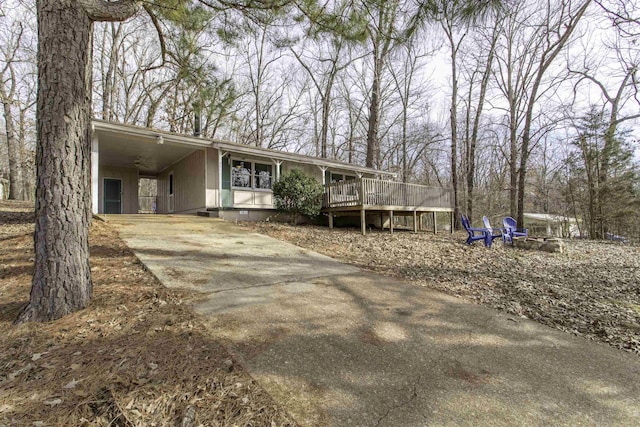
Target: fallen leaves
593, 290
135, 356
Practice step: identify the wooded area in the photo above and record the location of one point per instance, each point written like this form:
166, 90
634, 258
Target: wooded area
542, 100
541, 97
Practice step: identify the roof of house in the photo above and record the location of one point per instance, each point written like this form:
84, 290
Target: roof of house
230, 146
548, 217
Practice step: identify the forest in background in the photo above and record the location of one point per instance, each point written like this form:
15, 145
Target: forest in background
530, 108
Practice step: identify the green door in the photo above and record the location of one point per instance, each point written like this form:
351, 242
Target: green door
225, 189
112, 196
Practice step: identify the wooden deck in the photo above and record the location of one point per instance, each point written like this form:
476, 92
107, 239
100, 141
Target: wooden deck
386, 197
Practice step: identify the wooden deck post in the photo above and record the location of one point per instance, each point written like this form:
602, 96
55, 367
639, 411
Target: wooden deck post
415, 221
391, 221
363, 222
330, 219
435, 223
453, 221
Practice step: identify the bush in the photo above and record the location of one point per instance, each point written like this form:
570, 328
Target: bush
298, 194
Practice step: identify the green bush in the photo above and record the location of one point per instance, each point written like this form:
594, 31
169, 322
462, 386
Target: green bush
298, 194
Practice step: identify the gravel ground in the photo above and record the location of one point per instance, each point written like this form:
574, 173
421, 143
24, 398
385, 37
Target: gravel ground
592, 290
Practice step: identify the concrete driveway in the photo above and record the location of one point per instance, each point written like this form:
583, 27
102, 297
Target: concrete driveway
338, 346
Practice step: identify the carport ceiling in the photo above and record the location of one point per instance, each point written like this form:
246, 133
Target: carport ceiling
141, 151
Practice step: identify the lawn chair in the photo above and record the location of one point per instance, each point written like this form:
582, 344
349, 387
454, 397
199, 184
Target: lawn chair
492, 233
511, 230
474, 233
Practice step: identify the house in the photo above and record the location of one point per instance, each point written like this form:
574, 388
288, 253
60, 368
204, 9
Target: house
231, 181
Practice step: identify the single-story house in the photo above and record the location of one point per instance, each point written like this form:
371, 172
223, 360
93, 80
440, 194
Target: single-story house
196, 174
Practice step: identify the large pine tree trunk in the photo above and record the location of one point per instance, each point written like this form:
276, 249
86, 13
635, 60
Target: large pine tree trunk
62, 277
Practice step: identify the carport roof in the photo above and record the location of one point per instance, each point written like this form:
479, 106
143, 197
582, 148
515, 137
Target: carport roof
124, 141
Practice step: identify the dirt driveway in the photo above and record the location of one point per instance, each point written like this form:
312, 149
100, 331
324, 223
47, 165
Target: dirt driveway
340, 346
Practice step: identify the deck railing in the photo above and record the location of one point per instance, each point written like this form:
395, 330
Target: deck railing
374, 192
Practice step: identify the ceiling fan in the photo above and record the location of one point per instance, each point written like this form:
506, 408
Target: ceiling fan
141, 163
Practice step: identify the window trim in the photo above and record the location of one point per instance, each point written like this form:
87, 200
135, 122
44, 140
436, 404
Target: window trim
253, 174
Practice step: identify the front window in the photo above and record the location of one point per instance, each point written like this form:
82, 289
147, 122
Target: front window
263, 175
241, 174
338, 177
251, 175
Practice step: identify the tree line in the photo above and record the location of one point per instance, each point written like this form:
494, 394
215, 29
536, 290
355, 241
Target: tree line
516, 105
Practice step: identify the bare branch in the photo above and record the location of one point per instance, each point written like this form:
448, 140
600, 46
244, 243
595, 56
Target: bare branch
101, 10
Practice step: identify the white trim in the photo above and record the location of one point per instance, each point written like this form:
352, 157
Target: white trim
168, 137
296, 158
206, 174
198, 142
324, 170
104, 194
95, 174
253, 175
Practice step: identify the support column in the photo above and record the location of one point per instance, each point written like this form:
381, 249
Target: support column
391, 221
95, 173
435, 223
330, 219
363, 222
415, 221
278, 163
452, 222
324, 178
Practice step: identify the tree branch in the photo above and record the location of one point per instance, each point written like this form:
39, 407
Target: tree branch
163, 45
102, 10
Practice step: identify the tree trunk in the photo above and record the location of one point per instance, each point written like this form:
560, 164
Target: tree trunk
374, 114
62, 277
13, 150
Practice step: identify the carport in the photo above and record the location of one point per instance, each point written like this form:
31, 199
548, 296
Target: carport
122, 155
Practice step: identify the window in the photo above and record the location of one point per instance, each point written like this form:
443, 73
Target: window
250, 175
263, 175
241, 174
338, 177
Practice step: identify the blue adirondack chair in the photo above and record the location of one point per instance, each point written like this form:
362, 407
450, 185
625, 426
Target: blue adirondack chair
474, 233
511, 230
492, 233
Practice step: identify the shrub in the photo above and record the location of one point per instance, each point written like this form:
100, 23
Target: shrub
298, 194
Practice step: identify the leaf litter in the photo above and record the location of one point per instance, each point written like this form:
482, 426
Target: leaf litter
593, 290
136, 356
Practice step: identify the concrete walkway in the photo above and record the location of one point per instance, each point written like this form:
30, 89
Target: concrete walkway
337, 346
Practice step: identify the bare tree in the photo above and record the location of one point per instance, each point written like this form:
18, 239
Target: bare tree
479, 66
619, 104
9, 81
557, 34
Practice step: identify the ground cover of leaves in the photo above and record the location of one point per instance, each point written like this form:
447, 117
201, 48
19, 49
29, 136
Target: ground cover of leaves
137, 356
592, 290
